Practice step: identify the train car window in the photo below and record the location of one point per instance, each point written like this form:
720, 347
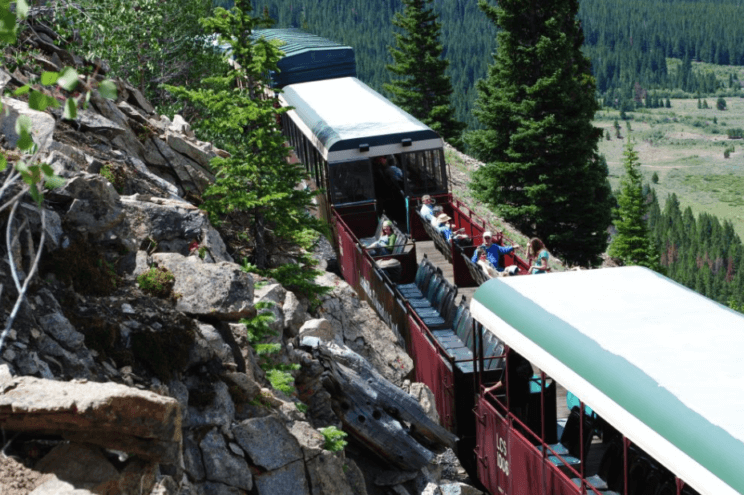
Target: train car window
351, 182
425, 172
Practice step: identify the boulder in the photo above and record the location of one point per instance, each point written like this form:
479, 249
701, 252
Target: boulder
287, 480
42, 124
218, 412
268, 442
318, 327
295, 314
217, 290
221, 465
191, 176
172, 225
95, 208
60, 328
106, 414
199, 151
362, 330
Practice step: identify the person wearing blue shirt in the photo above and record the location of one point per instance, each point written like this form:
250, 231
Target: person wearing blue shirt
493, 251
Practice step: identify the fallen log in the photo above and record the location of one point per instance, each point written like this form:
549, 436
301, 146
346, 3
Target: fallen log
375, 412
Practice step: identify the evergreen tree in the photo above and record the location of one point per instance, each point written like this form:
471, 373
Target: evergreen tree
632, 244
256, 186
422, 88
543, 171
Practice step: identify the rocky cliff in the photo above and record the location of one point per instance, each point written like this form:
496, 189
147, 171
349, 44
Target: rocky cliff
111, 384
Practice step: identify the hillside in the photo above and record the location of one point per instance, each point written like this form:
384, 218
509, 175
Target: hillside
628, 43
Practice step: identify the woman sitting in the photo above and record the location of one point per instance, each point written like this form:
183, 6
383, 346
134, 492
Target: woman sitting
537, 251
384, 245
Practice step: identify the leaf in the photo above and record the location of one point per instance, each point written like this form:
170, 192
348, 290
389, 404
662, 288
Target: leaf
7, 26
36, 195
48, 171
54, 181
21, 9
3, 163
49, 78
70, 111
22, 90
39, 101
107, 89
68, 78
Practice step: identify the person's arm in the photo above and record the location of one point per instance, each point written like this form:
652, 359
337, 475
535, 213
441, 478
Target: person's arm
474, 259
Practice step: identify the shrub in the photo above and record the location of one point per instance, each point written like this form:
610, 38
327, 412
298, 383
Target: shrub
157, 281
655, 178
334, 439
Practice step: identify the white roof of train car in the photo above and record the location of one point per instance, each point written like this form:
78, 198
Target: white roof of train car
341, 114
656, 360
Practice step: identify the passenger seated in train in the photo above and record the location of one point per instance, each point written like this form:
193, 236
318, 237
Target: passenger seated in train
427, 208
493, 251
484, 264
449, 230
518, 374
536, 251
384, 245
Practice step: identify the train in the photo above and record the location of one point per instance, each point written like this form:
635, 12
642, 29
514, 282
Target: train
609, 381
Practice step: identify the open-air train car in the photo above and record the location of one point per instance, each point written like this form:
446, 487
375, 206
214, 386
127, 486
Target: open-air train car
657, 365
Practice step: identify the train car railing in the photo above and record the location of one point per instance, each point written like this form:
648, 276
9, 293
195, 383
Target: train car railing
507, 450
361, 271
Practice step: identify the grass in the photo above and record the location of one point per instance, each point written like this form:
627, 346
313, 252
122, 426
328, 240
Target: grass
685, 146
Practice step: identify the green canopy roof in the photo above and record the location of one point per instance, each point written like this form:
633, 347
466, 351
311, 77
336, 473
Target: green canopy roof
656, 360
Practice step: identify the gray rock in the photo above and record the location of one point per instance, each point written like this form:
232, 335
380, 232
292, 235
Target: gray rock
62, 165
136, 98
295, 314
425, 397
191, 175
132, 112
92, 121
141, 168
212, 488
318, 327
152, 152
215, 342
84, 466
53, 224
219, 413
311, 440
219, 290
199, 151
192, 459
363, 331
172, 224
326, 473
42, 124
96, 207
180, 126
61, 330
458, 488
287, 480
4, 78
247, 386
267, 442
221, 465
55, 486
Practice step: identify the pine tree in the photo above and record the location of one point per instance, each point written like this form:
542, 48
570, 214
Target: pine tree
255, 186
422, 88
632, 244
536, 105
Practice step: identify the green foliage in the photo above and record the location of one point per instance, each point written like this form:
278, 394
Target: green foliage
301, 407
157, 281
543, 171
256, 182
721, 103
701, 253
334, 439
420, 85
655, 178
146, 42
281, 380
632, 244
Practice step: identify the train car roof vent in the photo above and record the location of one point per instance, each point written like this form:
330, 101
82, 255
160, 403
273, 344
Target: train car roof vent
363, 148
406, 142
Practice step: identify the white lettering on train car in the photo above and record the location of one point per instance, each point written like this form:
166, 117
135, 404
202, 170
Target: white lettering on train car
501, 456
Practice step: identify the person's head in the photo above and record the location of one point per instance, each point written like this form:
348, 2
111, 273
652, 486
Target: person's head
487, 238
387, 227
482, 252
443, 218
536, 245
426, 199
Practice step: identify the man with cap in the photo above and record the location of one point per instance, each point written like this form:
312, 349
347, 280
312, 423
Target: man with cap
493, 251
427, 209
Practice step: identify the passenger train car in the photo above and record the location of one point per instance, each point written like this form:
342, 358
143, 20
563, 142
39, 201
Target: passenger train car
614, 381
